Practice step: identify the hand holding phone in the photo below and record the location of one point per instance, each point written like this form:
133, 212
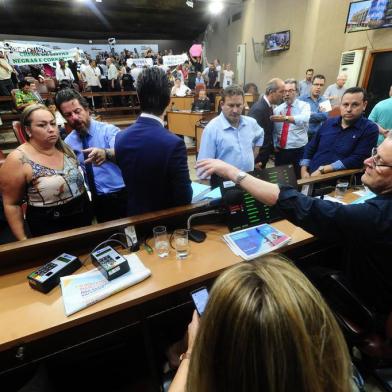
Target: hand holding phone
200, 299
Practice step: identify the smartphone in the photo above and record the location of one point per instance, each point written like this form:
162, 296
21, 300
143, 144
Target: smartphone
200, 299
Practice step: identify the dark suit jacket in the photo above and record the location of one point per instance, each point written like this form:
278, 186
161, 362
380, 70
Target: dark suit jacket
261, 112
154, 165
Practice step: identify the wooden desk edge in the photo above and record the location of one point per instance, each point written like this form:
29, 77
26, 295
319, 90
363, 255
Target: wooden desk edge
97, 228
328, 176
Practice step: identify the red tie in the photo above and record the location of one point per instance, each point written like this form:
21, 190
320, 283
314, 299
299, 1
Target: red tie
285, 129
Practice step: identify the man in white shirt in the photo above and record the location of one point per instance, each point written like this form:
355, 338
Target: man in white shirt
113, 84
63, 73
290, 136
335, 91
6, 70
135, 71
179, 89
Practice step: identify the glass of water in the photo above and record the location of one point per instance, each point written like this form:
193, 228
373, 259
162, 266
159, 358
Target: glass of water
181, 243
341, 188
161, 241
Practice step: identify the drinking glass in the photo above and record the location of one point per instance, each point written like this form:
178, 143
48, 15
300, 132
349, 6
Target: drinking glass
161, 241
181, 243
341, 188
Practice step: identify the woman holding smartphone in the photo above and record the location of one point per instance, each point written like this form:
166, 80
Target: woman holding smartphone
265, 328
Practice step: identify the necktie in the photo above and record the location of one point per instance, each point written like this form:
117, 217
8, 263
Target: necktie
285, 129
89, 170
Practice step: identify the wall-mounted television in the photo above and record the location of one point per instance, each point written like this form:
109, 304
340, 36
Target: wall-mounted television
277, 42
369, 14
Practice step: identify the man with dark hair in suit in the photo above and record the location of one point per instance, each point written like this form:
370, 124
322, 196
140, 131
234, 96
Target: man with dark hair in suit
153, 160
262, 110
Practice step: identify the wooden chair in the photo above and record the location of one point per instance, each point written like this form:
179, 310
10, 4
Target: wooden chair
2, 158
13, 93
17, 128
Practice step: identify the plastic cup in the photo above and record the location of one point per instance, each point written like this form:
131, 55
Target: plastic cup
161, 241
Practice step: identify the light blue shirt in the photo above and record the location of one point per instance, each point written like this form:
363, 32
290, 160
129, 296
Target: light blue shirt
316, 117
304, 87
298, 131
382, 115
107, 177
233, 145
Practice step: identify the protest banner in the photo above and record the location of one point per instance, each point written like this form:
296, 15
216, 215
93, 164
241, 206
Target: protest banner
25, 54
172, 60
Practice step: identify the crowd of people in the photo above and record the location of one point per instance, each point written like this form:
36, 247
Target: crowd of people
111, 71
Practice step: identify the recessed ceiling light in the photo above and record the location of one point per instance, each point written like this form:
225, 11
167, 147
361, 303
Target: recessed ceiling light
215, 7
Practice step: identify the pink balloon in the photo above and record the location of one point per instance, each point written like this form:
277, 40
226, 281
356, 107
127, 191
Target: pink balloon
196, 50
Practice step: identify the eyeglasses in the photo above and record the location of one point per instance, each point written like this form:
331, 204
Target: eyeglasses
376, 159
290, 91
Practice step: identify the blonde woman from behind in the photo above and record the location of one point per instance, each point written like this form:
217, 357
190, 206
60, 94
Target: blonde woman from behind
265, 328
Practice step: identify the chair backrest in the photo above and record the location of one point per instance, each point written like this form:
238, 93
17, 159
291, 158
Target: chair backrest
2, 157
17, 127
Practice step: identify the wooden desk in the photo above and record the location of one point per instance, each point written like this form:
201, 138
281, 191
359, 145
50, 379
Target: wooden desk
328, 176
184, 122
199, 132
182, 103
27, 315
249, 100
309, 183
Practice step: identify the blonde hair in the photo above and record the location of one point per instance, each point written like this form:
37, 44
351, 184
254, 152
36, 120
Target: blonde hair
266, 328
25, 121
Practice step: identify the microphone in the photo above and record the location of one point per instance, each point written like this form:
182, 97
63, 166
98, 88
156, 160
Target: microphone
232, 196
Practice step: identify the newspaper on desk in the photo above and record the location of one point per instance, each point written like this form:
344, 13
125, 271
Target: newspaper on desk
82, 290
255, 241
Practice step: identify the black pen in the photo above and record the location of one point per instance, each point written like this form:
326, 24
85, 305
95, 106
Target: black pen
264, 236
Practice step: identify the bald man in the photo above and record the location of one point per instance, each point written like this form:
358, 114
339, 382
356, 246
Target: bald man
335, 91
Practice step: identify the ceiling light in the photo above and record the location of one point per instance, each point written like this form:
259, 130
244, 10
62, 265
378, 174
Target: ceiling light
189, 3
215, 7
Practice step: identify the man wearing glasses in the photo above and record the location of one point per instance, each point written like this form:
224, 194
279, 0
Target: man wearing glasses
290, 127
314, 99
342, 142
364, 229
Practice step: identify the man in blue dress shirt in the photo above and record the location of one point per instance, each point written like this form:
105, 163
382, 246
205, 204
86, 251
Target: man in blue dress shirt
93, 143
231, 137
342, 142
305, 85
290, 127
314, 98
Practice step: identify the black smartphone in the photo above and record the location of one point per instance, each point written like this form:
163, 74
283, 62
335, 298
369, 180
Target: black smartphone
200, 299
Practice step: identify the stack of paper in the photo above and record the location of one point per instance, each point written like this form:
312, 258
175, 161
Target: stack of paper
255, 241
199, 191
82, 290
203, 192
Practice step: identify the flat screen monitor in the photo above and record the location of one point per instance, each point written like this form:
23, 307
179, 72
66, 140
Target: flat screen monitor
277, 42
243, 210
369, 14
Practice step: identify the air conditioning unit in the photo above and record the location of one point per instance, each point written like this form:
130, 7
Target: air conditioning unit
350, 64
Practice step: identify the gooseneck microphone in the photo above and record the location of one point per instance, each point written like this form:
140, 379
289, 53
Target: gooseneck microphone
232, 196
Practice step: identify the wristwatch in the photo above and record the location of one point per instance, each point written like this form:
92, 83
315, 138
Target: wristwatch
240, 176
286, 118
321, 169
